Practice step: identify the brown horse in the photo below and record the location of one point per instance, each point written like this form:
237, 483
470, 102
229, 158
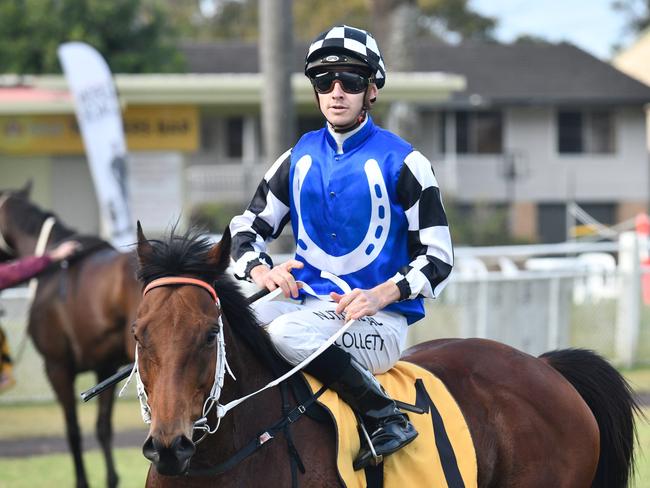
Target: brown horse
564, 420
79, 317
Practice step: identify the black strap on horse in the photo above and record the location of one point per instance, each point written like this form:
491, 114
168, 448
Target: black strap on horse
295, 462
261, 439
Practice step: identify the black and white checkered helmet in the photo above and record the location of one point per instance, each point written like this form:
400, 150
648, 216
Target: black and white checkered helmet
346, 40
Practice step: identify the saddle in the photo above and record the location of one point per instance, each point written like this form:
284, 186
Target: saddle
443, 454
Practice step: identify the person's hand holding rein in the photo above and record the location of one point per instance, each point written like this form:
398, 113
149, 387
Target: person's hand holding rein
280, 276
361, 303
64, 250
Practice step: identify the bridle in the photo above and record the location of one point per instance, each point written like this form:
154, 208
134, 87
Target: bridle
221, 363
212, 401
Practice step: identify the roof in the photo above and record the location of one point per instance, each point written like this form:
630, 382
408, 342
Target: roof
20, 96
49, 94
522, 73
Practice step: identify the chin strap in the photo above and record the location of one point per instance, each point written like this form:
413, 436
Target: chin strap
342, 130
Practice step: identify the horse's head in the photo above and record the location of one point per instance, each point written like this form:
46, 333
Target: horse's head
176, 331
10, 202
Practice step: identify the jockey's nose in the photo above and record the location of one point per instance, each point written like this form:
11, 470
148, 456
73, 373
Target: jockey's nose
337, 91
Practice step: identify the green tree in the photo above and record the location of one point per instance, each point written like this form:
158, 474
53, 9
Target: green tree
133, 36
637, 13
237, 19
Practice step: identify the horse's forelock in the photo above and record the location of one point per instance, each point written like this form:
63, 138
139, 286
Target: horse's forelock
187, 254
178, 255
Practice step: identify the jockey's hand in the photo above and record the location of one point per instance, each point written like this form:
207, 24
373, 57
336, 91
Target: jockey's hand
361, 303
278, 277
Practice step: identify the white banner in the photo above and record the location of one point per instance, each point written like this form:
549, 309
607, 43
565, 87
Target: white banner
100, 122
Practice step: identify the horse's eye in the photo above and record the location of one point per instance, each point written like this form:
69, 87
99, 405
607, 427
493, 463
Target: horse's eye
211, 338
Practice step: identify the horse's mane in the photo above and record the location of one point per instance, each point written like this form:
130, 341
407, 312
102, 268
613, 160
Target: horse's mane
187, 254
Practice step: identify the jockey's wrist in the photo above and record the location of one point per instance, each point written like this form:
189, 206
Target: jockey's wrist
387, 292
258, 272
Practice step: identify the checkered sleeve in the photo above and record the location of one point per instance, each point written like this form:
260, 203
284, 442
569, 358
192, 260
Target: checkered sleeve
263, 220
429, 241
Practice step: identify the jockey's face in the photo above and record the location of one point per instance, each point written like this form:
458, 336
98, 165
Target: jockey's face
341, 108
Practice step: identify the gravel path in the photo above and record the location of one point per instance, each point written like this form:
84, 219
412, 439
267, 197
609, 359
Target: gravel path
34, 446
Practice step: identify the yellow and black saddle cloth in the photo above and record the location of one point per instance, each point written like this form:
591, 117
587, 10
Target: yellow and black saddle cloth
441, 456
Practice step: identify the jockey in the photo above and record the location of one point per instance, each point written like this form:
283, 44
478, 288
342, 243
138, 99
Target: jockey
14, 273
371, 238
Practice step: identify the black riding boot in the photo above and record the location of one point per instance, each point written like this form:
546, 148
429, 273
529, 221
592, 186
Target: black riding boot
390, 428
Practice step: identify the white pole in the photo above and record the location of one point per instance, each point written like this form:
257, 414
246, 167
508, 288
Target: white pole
628, 315
554, 314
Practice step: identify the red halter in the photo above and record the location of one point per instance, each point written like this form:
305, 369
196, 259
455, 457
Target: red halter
179, 280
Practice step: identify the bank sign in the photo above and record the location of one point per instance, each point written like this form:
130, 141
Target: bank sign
150, 128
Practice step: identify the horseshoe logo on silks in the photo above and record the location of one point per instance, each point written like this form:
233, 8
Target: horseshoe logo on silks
375, 238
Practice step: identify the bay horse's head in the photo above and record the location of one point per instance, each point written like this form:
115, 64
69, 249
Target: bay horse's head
11, 203
176, 332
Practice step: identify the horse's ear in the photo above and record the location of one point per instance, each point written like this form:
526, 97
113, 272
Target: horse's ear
26, 190
219, 255
145, 249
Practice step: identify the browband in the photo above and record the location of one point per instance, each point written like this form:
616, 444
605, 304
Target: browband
180, 280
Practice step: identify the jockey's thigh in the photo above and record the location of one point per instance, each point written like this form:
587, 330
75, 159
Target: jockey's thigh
297, 330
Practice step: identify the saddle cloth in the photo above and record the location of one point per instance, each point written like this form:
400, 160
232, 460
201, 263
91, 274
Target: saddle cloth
441, 456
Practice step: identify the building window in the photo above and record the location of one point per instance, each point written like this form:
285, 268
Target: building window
582, 132
479, 132
235, 137
209, 133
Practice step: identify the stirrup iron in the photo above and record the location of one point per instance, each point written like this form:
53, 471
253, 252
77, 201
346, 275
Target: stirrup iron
376, 458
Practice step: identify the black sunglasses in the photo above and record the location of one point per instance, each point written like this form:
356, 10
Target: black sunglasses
350, 82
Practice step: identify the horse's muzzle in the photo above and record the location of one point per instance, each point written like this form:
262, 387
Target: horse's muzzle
172, 460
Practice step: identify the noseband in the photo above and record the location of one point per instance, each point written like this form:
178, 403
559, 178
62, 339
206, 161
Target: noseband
221, 363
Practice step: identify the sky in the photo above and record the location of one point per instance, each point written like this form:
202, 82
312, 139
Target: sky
590, 24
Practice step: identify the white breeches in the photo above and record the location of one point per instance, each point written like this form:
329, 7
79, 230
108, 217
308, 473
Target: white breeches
297, 330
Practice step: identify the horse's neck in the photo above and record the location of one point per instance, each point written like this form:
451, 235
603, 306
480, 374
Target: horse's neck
26, 243
246, 420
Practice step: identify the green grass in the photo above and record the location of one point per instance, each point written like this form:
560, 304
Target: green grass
46, 419
642, 475
57, 470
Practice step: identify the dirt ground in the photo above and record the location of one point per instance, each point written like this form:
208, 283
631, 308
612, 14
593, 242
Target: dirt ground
34, 446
